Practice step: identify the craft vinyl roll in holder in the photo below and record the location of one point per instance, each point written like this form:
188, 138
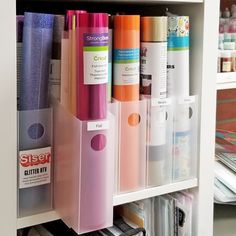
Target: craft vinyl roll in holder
83, 188
159, 131
126, 90
185, 138
34, 161
92, 65
132, 145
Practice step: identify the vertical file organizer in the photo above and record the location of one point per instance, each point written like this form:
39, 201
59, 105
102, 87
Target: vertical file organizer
132, 145
159, 142
35, 161
185, 138
84, 170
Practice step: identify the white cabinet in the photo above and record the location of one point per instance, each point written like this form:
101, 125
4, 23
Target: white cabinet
8, 118
204, 39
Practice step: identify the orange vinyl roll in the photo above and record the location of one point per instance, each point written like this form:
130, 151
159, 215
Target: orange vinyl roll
126, 57
126, 89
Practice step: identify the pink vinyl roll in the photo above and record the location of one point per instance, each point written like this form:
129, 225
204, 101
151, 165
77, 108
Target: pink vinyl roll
92, 66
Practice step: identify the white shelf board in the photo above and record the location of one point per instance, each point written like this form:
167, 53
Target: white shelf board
226, 80
126, 1
36, 219
152, 1
152, 192
117, 200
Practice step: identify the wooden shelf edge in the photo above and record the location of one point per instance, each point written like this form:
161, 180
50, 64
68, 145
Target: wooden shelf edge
152, 192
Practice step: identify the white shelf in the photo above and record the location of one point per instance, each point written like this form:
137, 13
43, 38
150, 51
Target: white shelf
226, 80
152, 192
152, 1
36, 219
127, 1
117, 200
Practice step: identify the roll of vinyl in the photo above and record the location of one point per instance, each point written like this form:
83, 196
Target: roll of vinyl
37, 47
19, 28
109, 85
153, 83
92, 50
92, 66
126, 89
126, 57
178, 56
55, 68
72, 18
178, 87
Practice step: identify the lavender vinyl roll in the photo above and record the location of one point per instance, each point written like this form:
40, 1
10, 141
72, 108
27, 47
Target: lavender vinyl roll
37, 45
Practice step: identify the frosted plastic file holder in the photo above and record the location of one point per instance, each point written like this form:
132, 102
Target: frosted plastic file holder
35, 139
84, 171
113, 109
132, 145
185, 149
164, 208
159, 142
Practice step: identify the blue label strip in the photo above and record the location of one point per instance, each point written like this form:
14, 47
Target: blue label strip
178, 42
126, 54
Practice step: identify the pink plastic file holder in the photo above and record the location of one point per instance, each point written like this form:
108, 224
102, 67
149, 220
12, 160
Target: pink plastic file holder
84, 170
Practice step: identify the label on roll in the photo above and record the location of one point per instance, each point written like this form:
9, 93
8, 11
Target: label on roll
153, 69
126, 66
34, 167
95, 53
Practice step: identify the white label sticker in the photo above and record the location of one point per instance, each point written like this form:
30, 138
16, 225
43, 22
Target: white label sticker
98, 125
95, 67
160, 102
186, 100
34, 167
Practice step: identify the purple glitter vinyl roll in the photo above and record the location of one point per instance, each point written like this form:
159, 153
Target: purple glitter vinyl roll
19, 28
37, 47
34, 97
